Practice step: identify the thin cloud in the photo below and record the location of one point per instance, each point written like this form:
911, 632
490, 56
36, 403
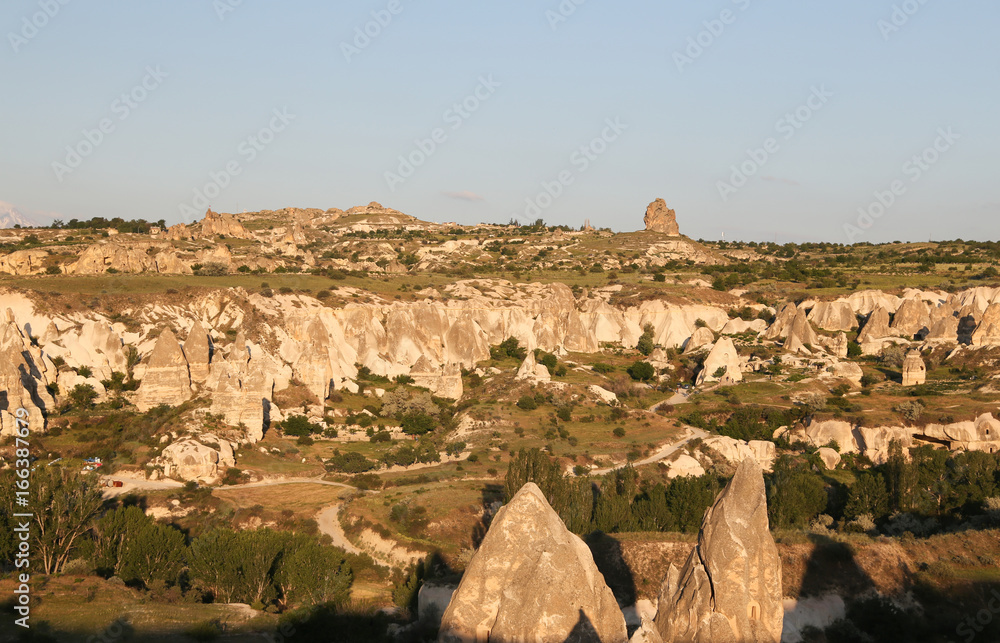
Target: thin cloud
465, 195
778, 179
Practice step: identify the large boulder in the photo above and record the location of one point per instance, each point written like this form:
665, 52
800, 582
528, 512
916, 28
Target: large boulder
532, 580
913, 318
222, 224
660, 218
531, 371
198, 351
877, 327
192, 460
729, 589
736, 451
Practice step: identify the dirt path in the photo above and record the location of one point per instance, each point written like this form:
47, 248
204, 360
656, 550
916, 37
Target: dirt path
667, 450
328, 520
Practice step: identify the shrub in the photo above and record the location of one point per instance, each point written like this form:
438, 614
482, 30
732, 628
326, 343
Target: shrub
619, 432
641, 371
527, 403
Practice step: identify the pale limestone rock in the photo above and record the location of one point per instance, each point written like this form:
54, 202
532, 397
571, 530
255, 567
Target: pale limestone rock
781, 325
198, 350
876, 441
912, 319
684, 466
738, 326
660, 218
837, 345
982, 434
821, 433
988, 331
222, 224
532, 580
166, 379
736, 451
443, 381
829, 456
877, 326
603, 394
914, 369
646, 633
729, 589
944, 330
833, 316
722, 355
848, 371
532, 371
191, 460
24, 262
701, 338
21, 383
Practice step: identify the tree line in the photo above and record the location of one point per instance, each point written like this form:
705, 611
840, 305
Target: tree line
260, 567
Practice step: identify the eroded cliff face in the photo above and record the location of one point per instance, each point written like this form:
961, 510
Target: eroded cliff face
296, 337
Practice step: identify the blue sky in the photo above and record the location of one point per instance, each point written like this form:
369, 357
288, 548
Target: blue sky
548, 80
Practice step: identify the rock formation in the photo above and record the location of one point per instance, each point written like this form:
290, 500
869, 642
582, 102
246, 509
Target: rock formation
848, 371
988, 331
23, 262
660, 218
531, 371
876, 327
192, 460
722, 356
736, 451
912, 319
833, 316
702, 337
829, 456
21, 383
222, 224
914, 369
982, 434
532, 580
443, 381
944, 330
166, 379
729, 589
198, 352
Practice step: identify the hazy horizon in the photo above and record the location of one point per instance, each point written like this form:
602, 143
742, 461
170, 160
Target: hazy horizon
587, 109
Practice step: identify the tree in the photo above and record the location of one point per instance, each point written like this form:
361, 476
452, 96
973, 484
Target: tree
65, 504
310, 574
641, 371
299, 426
901, 479
645, 344
868, 495
418, 423
82, 396
795, 495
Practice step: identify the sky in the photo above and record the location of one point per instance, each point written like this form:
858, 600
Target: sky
788, 120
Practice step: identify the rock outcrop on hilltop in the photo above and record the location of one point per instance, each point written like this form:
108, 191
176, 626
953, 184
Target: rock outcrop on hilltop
194, 460
99, 258
729, 589
532, 580
660, 218
222, 224
165, 379
23, 262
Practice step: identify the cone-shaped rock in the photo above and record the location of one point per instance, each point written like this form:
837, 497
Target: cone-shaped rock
532, 580
198, 352
167, 380
729, 589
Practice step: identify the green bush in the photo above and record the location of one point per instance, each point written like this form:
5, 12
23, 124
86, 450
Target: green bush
527, 403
